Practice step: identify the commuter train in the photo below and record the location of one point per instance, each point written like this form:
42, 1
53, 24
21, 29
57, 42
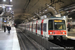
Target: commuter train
52, 28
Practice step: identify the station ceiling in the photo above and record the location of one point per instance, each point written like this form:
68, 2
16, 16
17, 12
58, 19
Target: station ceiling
29, 8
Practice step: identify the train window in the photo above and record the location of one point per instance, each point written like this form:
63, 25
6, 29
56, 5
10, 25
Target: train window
38, 26
60, 25
31, 26
44, 27
50, 25
41, 26
34, 26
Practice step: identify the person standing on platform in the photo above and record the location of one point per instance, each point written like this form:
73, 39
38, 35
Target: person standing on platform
8, 28
69, 27
4, 28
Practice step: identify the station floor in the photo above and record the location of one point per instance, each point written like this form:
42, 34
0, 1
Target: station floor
9, 41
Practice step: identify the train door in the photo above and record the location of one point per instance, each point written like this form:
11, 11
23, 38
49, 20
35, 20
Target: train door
45, 28
39, 27
36, 27
42, 27
32, 27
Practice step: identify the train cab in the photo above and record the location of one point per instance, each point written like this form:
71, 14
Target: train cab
57, 29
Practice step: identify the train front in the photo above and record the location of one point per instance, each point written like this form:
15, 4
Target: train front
57, 29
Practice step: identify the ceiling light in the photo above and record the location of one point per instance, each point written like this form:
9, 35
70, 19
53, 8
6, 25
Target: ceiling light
4, 0
70, 18
45, 9
3, 6
0, 6
10, 0
10, 8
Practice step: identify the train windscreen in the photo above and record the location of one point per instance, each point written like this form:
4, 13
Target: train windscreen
59, 25
56, 25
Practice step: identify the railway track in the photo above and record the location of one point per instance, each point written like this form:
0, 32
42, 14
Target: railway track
66, 44
22, 46
26, 43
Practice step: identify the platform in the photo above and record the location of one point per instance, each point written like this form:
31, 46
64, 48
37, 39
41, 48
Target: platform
9, 41
71, 34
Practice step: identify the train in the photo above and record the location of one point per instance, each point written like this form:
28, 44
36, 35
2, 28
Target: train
51, 28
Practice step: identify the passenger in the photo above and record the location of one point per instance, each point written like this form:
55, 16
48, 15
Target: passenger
8, 28
69, 27
4, 28
15, 25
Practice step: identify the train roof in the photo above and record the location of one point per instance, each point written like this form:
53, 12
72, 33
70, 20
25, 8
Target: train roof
50, 18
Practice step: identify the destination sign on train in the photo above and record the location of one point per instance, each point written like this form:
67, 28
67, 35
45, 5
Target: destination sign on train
57, 20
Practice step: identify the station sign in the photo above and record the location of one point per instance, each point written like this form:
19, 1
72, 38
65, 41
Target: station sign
57, 20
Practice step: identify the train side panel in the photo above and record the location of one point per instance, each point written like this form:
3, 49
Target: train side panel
34, 27
39, 27
45, 28
30, 26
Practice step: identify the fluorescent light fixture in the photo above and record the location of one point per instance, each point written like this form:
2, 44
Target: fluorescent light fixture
10, 8
3, 6
10, 0
64, 17
9, 5
46, 10
0, 6
4, 0
5, 21
45, 16
71, 18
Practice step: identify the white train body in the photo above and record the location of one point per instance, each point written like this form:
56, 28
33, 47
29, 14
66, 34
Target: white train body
42, 27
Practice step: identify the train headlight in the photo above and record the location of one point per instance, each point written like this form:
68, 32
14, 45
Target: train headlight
63, 32
50, 32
